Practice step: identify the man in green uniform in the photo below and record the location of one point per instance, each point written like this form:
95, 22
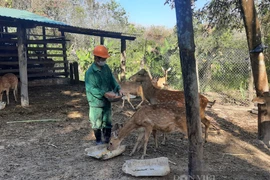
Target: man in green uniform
100, 86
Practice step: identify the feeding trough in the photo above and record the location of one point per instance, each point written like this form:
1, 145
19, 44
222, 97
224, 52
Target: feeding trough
2, 105
101, 152
147, 167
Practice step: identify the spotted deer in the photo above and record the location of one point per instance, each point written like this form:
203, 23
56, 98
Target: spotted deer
162, 82
158, 96
130, 89
165, 118
7, 82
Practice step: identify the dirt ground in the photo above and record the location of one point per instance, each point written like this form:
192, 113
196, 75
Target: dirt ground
54, 150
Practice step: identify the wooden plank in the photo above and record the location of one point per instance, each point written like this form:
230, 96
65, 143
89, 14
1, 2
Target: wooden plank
8, 40
35, 61
8, 55
46, 35
45, 69
32, 62
48, 74
3, 71
47, 55
48, 81
44, 41
95, 32
8, 47
44, 49
9, 63
8, 33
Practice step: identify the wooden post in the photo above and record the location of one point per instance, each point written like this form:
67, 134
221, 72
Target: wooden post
188, 64
44, 38
22, 55
64, 53
101, 40
76, 72
123, 60
71, 73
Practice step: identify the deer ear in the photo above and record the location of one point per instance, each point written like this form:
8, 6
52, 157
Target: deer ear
163, 70
169, 69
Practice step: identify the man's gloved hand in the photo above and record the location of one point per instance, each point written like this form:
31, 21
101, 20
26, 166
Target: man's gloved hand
110, 95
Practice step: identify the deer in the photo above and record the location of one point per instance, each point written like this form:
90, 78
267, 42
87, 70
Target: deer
7, 82
157, 117
162, 82
139, 142
129, 90
155, 95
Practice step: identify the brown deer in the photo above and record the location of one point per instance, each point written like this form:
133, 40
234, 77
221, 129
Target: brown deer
7, 82
130, 89
162, 82
115, 131
158, 117
160, 96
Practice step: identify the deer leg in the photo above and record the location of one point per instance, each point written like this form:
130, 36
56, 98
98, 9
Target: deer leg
139, 104
1, 96
123, 103
139, 139
7, 93
206, 123
15, 94
147, 133
155, 137
128, 99
164, 139
140, 145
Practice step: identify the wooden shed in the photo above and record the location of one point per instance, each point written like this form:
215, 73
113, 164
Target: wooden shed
30, 52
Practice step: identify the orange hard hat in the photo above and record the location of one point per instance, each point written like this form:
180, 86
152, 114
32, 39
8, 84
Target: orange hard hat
101, 51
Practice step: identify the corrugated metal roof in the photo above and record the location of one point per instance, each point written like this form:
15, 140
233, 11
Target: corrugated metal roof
26, 15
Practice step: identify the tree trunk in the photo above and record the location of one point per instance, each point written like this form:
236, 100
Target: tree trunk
253, 33
188, 64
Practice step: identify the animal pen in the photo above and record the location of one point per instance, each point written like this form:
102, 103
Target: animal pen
34, 48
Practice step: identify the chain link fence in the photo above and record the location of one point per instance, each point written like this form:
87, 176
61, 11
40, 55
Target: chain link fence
227, 73
224, 74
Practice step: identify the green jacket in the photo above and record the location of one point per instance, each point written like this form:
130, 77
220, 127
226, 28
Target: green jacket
97, 83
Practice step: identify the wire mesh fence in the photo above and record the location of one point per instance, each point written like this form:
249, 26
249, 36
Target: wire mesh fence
226, 73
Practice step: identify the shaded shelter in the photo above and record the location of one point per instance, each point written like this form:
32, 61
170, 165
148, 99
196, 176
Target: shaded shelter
41, 55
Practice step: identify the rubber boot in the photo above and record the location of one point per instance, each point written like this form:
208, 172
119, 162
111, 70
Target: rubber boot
98, 136
107, 134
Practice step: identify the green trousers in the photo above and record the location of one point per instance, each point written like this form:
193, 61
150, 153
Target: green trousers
101, 117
